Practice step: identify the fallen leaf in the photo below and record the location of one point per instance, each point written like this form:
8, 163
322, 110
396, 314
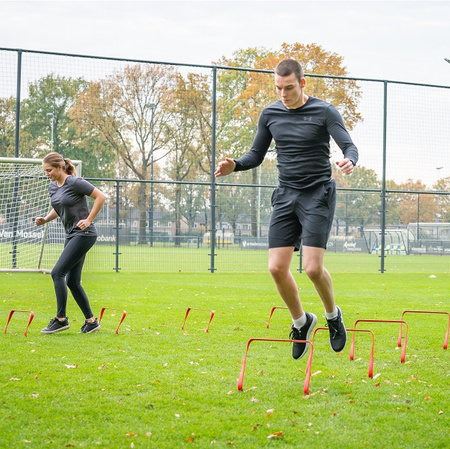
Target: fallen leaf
14, 378
102, 367
71, 366
276, 435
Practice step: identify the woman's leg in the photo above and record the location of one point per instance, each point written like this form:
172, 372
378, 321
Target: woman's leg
67, 273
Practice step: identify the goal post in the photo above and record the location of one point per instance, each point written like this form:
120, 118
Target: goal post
23, 197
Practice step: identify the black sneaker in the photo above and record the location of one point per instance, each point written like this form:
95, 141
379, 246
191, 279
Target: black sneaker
56, 326
88, 328
338, 333
299, 349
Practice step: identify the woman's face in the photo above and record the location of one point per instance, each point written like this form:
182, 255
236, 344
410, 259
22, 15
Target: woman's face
53, 173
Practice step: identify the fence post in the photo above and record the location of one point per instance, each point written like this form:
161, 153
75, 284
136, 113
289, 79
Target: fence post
18, 94
383, 182
213, 168
116, 268
16, 155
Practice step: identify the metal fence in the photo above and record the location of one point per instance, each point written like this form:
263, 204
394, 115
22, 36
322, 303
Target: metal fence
150, 134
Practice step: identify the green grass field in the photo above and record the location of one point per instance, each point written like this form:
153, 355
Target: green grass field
168, 258
155, 385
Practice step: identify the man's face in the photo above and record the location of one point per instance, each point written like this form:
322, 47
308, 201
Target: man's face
290, 90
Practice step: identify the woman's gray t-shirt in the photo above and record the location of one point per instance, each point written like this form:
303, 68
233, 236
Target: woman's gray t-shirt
70, 203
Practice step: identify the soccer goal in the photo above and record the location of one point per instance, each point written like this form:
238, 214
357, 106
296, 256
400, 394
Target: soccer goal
23, 197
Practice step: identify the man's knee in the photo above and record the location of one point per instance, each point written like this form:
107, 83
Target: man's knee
277, 269
314, 271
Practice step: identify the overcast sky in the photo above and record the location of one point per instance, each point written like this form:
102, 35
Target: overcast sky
387, 40
393, 40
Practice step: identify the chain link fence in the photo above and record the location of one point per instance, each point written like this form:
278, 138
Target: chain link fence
150, 134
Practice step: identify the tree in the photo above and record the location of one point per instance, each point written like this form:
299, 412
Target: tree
414, 207
358, 208
7, 126
443, 201
116, 110
46, 125
188, 136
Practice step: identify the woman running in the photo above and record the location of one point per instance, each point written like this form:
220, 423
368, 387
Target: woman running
68, 199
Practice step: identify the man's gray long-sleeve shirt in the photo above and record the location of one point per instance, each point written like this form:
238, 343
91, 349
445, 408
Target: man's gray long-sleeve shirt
302, 140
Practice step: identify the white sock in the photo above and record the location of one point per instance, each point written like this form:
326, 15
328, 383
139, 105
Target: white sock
332, 315
300, 322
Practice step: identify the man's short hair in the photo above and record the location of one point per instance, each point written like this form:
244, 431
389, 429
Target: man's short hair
288, 66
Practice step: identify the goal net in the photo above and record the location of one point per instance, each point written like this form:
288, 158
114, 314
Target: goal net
23, 197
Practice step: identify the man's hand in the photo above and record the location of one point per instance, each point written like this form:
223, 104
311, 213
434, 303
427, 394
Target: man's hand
225, 167
39, 221
346, 166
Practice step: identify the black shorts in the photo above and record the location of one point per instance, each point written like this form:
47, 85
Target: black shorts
302, 216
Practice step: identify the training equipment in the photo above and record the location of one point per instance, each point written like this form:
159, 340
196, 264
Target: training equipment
403, 356
308, 366
22, 311
192, 308
430, 312
271, 313
124, 314
370, 374
24, 191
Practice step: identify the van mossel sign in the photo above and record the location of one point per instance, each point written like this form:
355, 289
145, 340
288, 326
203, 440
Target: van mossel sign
8, 235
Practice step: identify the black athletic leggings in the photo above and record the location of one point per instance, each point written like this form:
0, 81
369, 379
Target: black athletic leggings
67, 273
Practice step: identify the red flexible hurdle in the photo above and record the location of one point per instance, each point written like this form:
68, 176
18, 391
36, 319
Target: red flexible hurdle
271, 313
308, 366
370, 372
426, 311
23, 311
124, 314
403, 356
204, 310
